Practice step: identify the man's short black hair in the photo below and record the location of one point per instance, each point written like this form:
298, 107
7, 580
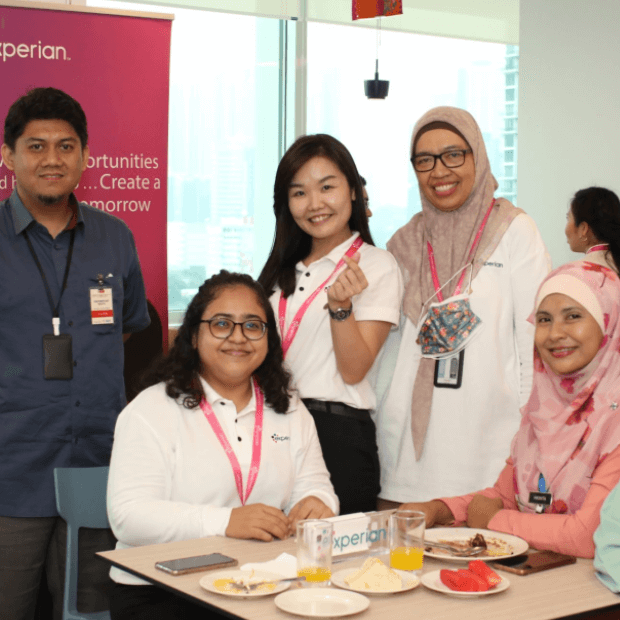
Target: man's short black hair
44, 104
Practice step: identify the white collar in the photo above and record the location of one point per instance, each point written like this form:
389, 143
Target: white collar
334, 256
212, 397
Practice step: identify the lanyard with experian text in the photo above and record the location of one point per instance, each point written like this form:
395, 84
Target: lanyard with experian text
431, 257
54, 309
289, 336
256, 443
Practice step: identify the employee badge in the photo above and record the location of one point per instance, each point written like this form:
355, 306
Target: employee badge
101, 303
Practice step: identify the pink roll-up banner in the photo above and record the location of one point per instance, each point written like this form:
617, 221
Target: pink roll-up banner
118, 67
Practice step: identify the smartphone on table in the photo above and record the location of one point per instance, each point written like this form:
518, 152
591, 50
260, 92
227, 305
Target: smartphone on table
533, 562
182, 566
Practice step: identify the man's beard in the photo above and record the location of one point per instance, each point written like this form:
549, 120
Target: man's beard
50, 200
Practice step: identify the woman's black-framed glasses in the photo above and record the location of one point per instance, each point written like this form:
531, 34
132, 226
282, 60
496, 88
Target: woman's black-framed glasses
425, 162
253, 329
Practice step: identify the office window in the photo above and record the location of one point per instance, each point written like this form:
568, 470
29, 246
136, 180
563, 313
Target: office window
424, 72
223, 145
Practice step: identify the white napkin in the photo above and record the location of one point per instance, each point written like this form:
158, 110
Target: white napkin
285, 564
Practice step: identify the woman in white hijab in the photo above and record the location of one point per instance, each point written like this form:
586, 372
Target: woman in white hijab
472, 264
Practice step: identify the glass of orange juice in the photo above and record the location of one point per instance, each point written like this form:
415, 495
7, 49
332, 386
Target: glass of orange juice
407, 540
314, 551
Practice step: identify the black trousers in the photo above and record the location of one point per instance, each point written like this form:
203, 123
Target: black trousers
349, 447
153, 603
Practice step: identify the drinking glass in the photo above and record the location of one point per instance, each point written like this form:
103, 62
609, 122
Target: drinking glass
314, 551
407, 540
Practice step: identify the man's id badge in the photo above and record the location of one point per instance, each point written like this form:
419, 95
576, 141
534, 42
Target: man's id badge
449, 371
101, 308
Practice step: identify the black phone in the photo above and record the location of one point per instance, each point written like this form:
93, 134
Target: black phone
182, 566
533, 562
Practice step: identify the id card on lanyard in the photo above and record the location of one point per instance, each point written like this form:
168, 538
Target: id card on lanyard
256, 443
101, 303
449, 370
543, 497
289, 336
57, 347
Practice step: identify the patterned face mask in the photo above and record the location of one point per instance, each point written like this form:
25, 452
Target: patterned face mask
448, 327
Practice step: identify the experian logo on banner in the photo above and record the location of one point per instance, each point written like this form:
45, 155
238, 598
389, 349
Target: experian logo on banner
36, 51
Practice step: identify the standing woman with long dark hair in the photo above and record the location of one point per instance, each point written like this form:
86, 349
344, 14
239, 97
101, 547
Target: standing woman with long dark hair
336, 297
593, 226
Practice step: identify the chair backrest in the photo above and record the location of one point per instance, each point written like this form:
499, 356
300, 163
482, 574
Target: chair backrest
81, 495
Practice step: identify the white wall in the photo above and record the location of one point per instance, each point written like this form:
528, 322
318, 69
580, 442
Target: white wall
569, 108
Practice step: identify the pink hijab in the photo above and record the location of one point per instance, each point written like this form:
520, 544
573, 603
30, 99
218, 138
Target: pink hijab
572, 422
451, 235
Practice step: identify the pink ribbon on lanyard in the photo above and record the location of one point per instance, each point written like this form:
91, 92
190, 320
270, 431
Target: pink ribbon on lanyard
596, 248
289, 336
256, 443
472, 251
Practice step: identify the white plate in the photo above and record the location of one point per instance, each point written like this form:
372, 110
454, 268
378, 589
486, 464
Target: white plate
409, 581
321, 602
208, 582
516, 545
433, 582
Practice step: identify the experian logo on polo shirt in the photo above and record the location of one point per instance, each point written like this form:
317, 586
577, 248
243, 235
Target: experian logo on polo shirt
35, 51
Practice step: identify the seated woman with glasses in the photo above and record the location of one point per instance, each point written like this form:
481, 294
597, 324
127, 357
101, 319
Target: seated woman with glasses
593, 226
216, 446
472, 263
565, 457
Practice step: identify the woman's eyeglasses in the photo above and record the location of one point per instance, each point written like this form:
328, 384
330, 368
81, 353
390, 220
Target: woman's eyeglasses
425, 162
252, 329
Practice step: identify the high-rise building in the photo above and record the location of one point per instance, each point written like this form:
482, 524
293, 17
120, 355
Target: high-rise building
508, 179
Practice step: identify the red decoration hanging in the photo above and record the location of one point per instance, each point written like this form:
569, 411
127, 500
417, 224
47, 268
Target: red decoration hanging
363, 9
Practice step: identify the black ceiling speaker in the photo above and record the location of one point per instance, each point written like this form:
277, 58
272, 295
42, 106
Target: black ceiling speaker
376, 89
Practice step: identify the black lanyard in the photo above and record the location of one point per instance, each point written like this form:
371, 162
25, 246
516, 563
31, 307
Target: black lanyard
45, 282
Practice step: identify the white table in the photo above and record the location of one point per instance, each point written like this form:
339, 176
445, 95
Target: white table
547, 595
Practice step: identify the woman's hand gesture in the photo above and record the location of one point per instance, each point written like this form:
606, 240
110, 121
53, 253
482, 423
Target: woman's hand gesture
435, 511
258, 521
310, 507
481, 510
350, 282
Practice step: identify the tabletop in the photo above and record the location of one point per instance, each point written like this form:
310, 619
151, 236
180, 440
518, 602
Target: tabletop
547, 595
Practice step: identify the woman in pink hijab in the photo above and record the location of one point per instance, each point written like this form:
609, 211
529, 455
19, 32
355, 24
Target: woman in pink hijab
565, 457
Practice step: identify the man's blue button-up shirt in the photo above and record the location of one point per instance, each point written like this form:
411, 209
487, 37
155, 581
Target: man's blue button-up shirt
56, 423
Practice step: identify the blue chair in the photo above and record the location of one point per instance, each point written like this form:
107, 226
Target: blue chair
81, 502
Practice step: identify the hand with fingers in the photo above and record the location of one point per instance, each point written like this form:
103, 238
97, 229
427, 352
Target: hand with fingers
350, 282
435, 511
258, 521
310, 507
482, 509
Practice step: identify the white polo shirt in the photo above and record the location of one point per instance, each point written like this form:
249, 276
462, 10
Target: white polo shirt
170, 478
311, 356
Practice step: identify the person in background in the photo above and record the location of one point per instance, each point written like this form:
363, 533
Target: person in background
607, 542
593, 226
472, 263
365, 194
567, 449
336, 296
142, 351
216, 446
61, 261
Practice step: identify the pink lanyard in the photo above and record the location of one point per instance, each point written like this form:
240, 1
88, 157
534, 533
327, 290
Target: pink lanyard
596, 248
431, 257
256, 443
287, 340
